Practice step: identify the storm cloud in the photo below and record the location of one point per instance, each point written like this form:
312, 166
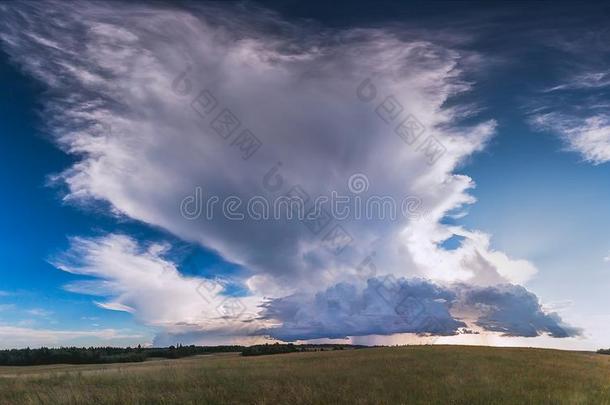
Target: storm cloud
389, 305
157, 102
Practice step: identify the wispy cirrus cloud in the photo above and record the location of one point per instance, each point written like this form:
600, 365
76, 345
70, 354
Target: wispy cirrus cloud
587, 80
589, 136
40, 312
576, 108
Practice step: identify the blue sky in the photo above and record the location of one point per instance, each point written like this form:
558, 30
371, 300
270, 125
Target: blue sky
36, 222
101, 145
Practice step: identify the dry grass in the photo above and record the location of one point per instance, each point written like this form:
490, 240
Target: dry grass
413, 375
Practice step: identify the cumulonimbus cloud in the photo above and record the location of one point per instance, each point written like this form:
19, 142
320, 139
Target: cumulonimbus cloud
514, 311
156, 101
388, 306
140, 280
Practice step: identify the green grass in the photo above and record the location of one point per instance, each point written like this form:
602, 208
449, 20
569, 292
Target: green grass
407, 375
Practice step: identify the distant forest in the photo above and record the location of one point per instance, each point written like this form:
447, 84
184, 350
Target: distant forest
95, 355
277, 348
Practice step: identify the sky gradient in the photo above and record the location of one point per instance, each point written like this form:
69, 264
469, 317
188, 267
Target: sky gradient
488, 125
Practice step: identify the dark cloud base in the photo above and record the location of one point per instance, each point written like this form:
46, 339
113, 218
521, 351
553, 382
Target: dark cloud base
387, 306
514, 311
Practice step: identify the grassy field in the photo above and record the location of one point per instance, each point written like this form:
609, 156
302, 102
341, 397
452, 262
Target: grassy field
398, 375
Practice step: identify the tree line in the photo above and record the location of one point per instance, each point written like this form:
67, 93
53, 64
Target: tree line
93, 355
96, 355
277, 348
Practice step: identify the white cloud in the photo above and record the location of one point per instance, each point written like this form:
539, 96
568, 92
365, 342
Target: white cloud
587, 80
39, 312
588, 136
116, 101
386, 307
190, 309
576, 108
140, 281
19, 337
